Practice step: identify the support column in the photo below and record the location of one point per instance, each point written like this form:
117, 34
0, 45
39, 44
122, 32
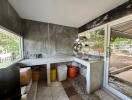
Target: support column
88, 79
48, 74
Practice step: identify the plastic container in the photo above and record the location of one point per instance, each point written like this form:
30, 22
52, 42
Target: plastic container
62, 72
53, 74
72, 71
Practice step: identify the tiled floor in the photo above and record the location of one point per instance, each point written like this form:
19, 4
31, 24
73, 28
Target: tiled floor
79, 85
71, 89
32, 92
53, 92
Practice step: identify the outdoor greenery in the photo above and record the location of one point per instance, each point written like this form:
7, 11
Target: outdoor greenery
9, 44
99, 36
9, 48
122, 41
121, 45
97, 39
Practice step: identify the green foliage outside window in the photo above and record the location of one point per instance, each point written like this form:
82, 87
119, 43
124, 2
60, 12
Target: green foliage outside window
119, 40
10, 48
9, 44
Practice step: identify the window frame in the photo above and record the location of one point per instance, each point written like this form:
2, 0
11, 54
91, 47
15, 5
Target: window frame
21, 46
106, 68
107, 27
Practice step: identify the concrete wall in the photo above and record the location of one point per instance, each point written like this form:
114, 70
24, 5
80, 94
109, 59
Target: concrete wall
9, 18
47, 39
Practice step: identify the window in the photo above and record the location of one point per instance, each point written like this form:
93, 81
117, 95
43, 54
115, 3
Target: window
10, 48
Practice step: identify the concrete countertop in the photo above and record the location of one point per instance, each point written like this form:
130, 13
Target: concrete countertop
59, 59
54, 59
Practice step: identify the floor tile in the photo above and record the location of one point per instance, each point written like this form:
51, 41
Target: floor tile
66, 84
104, 95
70, 91
75, 91
60, 98
44, 91
75, 97
32, 91
58, 92
54, 92
44, 98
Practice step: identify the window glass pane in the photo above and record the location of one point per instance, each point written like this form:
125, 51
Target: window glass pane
120, 58
10, 48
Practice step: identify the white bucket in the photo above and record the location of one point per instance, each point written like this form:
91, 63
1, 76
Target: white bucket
62, 72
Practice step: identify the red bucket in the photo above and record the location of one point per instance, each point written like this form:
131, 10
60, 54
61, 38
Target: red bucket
72, 71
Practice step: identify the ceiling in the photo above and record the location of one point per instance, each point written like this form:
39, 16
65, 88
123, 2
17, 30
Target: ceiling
74, 13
